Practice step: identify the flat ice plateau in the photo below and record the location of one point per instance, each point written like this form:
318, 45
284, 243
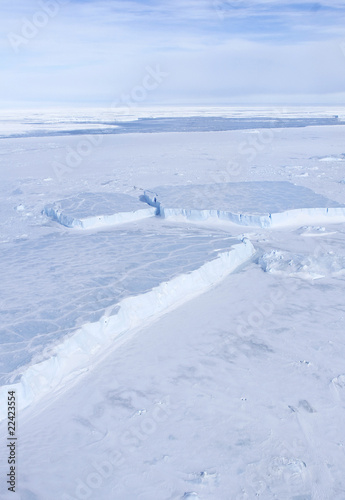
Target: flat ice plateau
174, 355
90, 210
262, 204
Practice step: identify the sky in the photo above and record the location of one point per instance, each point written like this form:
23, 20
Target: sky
111, 53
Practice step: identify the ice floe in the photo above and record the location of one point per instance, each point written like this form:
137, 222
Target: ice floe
90, 210
263, 204
67, 310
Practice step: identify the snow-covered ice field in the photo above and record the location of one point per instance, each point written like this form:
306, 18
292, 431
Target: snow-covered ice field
90, 210
174, 357
262, 204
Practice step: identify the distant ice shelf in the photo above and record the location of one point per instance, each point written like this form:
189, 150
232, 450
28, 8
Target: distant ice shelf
92, 210
262, 204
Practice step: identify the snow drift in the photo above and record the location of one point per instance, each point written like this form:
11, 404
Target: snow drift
320, 265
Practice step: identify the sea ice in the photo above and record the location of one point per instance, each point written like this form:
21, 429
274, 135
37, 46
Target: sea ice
89, 210
261, 204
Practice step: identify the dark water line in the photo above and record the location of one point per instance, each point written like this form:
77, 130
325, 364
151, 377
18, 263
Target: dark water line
183, 124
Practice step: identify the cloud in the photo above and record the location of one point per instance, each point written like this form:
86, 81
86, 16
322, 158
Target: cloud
91, 52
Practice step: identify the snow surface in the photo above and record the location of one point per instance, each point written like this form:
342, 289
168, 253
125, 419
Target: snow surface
92, 288
237, 393
91, 210
261, 204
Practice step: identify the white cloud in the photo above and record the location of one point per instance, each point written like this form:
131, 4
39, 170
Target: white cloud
93, 51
